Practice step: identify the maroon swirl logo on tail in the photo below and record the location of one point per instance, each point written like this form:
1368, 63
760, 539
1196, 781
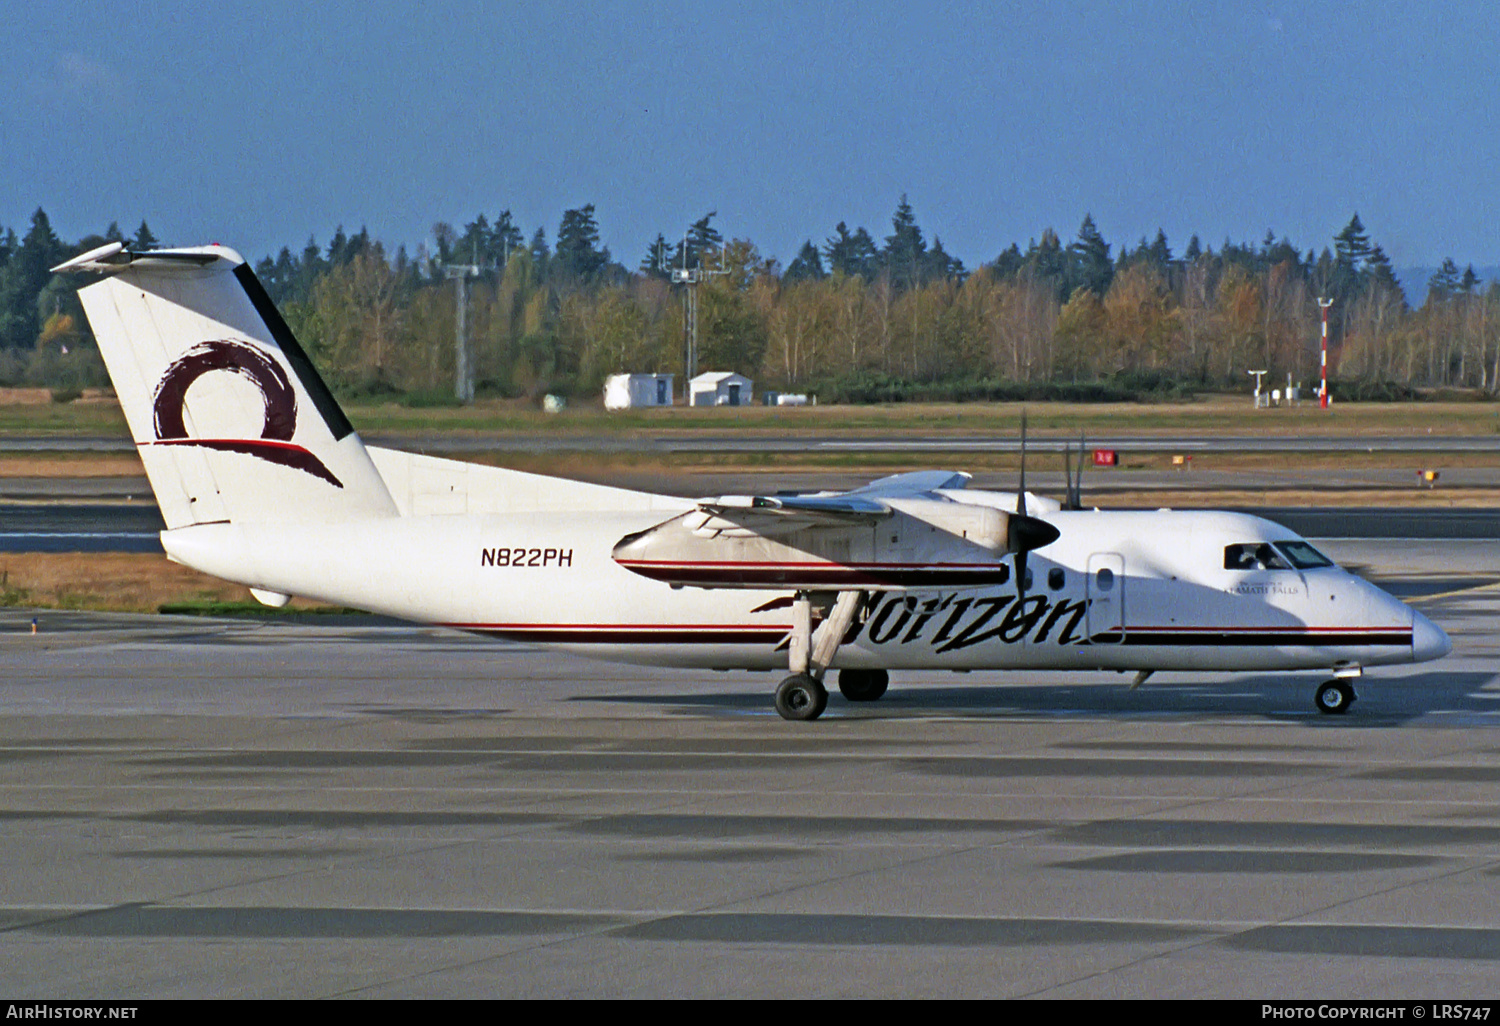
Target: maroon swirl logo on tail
275, 442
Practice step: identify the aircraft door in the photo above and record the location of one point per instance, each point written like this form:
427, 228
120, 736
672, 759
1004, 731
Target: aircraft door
1105, 586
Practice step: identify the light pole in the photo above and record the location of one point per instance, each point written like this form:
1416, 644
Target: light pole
463, 369
691, 277
1323, 388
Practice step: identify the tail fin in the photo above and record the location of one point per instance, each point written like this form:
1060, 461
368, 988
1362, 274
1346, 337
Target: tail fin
228, 414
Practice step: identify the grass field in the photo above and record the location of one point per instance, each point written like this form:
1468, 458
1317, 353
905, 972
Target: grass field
125, 582
29, 412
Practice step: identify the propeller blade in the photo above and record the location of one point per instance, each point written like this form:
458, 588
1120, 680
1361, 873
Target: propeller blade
1068, 474
1021, 491
1022, 529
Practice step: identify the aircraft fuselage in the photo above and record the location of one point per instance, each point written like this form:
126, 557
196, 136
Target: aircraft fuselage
1118, 590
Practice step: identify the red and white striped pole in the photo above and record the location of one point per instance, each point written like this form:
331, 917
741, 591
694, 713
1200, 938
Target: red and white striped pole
1323, 388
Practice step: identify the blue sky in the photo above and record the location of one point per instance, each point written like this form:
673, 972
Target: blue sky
256, 125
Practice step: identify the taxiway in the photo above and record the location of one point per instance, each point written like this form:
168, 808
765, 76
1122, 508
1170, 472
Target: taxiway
201, 808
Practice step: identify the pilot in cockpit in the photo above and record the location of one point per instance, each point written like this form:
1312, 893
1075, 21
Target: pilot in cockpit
1251, 556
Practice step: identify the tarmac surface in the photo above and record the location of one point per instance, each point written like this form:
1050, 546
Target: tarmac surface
331, 807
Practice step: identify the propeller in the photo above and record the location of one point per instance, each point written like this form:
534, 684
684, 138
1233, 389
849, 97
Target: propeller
1026, 532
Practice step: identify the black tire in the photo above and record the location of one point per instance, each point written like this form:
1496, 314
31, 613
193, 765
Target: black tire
863, 685
1334, 697
801, 697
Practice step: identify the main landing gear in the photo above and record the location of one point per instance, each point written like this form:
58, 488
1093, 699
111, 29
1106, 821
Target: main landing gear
802, 696
1334, 697
863, 685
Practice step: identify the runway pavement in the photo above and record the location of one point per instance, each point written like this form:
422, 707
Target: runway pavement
201, 808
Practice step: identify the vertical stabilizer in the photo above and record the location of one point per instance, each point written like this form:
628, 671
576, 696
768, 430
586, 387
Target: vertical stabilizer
228, 414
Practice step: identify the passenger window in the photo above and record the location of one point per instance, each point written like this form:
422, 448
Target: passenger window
1105, 579
1254, 556
1056, 578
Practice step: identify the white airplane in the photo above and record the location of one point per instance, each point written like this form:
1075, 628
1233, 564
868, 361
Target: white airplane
262, 480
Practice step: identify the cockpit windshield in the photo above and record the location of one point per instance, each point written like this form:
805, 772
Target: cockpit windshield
1303, 555
1284, 555
1254, 556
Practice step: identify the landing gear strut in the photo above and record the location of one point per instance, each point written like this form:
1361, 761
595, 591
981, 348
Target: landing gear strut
802, 696
1334, 697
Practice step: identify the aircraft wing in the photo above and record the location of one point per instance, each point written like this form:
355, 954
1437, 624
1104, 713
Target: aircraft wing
835, 508
914, 483
747, 510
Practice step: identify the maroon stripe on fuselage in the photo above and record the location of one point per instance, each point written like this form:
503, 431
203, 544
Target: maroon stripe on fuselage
772, 575
629, 634
1199, 637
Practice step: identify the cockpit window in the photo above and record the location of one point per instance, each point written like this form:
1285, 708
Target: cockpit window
1302, 555
1254, 556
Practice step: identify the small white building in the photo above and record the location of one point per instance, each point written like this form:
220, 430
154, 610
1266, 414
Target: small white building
719, 388
632, 391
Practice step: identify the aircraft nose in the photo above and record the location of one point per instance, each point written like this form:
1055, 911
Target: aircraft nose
1428, 641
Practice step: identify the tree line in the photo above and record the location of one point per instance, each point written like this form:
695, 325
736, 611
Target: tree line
853, 317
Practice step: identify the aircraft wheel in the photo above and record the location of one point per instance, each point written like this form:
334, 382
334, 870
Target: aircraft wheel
863, 685
1334, 697
801, 697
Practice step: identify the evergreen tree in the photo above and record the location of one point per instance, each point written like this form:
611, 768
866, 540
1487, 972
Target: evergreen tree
25, 275
1381, 274
338, 248
853, 255
1008, 263
577, 257
1352, 245
309, 269
808, 266
701, 238
938, 265
1089, 264
445, 238
541, 256
905, 248
505, 239
113, 233
143, 240
1159, 252
473, 246
1445, 283
1048, 261
657, 263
